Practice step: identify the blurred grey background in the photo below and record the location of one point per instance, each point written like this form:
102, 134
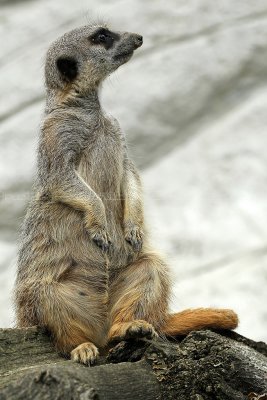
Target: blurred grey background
193, 103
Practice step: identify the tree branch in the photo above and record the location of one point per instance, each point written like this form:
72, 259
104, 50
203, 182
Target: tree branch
204, 365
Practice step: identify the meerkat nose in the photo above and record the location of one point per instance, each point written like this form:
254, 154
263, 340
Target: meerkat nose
138, 41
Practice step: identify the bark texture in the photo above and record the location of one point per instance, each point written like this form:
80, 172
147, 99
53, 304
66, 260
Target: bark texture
204, 365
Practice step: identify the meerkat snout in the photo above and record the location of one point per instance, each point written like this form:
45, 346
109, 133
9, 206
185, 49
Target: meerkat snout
138, 41
127, 44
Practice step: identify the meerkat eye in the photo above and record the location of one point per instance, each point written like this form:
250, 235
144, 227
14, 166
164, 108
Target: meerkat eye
101, 36
104, 37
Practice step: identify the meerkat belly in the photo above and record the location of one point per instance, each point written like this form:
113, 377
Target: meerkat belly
101, 167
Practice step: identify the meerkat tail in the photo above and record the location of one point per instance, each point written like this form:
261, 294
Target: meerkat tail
189, 320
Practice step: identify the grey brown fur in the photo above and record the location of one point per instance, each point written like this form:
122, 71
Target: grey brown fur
86, 271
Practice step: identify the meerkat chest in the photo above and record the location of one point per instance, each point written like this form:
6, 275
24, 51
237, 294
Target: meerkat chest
101, 164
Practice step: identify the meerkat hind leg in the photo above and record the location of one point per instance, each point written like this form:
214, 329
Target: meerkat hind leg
75, 311
139, 299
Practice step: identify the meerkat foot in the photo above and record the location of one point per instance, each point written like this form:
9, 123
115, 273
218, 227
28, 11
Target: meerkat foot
85, 353
134, 236
137, 329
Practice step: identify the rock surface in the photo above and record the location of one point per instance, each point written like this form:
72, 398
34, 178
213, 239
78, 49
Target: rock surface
193, 104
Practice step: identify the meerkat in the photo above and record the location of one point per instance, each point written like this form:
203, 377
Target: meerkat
86, 269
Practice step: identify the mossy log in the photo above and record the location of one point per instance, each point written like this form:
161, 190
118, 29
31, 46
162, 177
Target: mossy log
204, 365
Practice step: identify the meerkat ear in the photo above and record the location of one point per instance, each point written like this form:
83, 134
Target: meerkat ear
68, 68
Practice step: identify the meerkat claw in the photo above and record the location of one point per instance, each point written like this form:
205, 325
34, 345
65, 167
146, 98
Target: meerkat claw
85, 353
137, 329
134, 237
102, 241
102, 245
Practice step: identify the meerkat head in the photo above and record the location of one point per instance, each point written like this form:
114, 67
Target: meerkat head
83, 57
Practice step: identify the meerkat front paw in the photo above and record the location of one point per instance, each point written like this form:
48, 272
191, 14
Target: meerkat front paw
85, 353
101, 238
97, 229
134, 236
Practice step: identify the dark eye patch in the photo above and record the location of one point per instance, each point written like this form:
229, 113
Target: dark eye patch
104, 37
